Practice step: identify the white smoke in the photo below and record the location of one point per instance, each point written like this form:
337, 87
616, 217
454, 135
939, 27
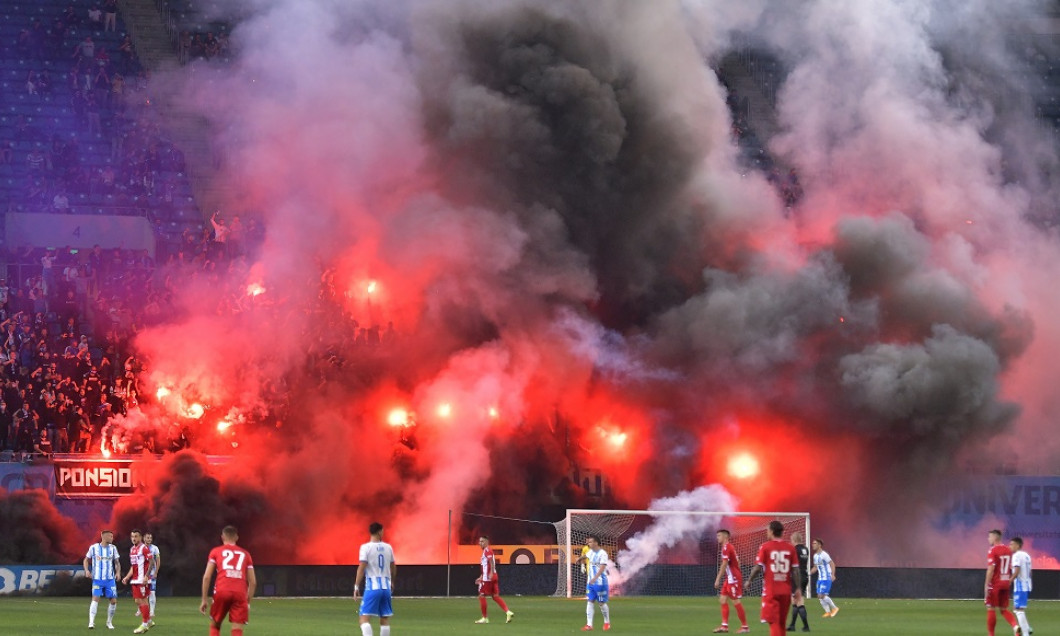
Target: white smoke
643, 548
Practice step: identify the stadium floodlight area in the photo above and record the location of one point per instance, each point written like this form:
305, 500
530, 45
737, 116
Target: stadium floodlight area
665, 552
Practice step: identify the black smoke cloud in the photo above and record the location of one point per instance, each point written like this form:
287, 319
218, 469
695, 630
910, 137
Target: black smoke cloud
547, 112
35, 532
184, 507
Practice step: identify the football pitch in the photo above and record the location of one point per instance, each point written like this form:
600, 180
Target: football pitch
642, 616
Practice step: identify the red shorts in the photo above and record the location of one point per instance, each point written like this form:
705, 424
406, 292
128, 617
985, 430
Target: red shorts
732, 590
139, 591
775, 608
489, 588
999, 596
230, 604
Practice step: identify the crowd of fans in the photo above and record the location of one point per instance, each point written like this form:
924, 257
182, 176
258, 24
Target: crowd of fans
67, 318
201, 46
195, 31
66, 363
63, 378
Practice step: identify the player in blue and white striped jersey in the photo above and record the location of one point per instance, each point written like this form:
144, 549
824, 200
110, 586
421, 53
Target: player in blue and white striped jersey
1021, 582
824, 568
102, 564
377, 570
596, 585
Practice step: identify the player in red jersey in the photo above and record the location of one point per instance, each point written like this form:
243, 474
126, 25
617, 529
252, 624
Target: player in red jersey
488, 584
732, 589
235, 584
998, 588
139, 573
780, 562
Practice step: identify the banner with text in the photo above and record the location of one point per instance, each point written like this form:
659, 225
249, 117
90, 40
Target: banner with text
34, 578
96, 477
510, 554
1026, 506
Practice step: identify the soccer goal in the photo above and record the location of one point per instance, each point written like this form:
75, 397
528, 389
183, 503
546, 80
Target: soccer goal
663, 552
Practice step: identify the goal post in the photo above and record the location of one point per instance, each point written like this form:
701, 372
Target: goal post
665, 552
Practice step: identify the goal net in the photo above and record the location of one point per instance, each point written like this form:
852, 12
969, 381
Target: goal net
665, 553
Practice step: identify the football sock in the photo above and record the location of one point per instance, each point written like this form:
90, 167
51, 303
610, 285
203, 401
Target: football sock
725, 614
215, 631
482, 604
1021, 616
151, 600
384, 630
237, 631
1009, 618
113, 607
366, 629
145, 611
589, 613
500, 601
742, 615
991, 622
93, 607
606, 611
824, 605
803, 616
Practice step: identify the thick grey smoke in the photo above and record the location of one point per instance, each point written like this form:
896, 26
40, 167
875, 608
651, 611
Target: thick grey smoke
546, 200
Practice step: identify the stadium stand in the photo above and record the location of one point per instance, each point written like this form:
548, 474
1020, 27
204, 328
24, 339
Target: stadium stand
77, 131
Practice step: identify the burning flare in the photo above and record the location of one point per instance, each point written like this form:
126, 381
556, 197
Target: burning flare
398, 417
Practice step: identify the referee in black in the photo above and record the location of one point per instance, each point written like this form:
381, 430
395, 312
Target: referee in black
798, 605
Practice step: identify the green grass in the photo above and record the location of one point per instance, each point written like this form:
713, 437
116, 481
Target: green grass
44, 616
